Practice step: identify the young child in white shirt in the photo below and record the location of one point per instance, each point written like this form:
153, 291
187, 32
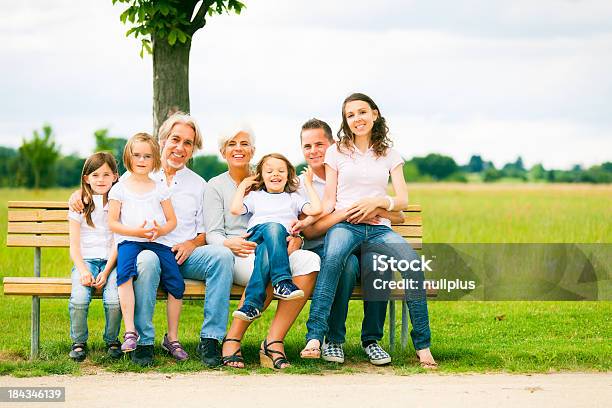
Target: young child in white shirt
274, 205
141, 215
94, 257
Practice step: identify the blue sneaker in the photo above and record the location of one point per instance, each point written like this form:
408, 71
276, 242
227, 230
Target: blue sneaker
287, 290
247, 313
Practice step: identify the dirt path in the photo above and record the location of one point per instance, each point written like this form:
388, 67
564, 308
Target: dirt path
222, 390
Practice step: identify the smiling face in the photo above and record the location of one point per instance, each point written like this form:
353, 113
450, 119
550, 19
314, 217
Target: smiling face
101, 180
178, 147
274, 173
360, 117
239, 151
142, 158
314, 146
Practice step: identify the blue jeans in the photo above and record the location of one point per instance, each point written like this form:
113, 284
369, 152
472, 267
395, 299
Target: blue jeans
271, 237
210, 263
340, 242
374, 313
127, 253
80, 297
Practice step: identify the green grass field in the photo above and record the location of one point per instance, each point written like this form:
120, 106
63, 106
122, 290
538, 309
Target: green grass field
467, 337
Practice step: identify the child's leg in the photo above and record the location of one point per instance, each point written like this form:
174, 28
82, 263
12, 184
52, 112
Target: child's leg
172, 281
173, 312
126, 298
112, 310
80, 297
255, 291
274, 237
127, 252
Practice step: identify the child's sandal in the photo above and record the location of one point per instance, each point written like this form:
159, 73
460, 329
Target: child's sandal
78, 351
267, 360
130, 341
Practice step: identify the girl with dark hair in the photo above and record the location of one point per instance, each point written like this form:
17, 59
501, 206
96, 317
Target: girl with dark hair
94, 257
357, 171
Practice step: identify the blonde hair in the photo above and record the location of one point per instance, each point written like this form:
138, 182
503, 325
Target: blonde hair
93, 163
185, 119
292, 180
141, 137
227, 135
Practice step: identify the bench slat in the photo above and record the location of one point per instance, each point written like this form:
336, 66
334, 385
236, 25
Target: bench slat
38, 204
61, 287
38, 227
408, 231
42, 241
38, 215
412, 218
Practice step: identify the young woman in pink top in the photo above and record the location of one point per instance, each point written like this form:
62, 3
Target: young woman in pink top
357, 171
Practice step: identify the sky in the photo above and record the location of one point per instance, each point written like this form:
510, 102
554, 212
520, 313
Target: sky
495, 78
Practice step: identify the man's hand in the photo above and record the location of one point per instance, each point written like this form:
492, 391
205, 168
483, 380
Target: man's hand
240, 246
75, 203
183, 250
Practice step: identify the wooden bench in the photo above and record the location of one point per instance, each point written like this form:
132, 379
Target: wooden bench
44, 224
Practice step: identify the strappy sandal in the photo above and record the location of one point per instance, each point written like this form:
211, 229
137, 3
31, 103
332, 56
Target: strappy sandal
174, 348
267, 360
233, 358
311, 352
78, 351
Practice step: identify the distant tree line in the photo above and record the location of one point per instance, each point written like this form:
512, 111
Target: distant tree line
38, 163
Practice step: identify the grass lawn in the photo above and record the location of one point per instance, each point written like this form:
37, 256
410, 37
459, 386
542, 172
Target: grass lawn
467, 336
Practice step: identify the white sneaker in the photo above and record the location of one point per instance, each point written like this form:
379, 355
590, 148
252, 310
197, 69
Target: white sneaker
377, 355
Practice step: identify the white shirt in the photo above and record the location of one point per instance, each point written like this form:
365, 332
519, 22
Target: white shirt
187, 195
273, 207
138, 208
96, 242
361, 175
319, 186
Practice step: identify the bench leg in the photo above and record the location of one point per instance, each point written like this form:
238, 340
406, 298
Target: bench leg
404, 324
35, 331
391, 325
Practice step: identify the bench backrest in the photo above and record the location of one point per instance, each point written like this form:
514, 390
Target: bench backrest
45, 224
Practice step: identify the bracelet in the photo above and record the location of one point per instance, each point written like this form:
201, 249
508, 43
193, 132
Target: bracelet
303, 240
391, 203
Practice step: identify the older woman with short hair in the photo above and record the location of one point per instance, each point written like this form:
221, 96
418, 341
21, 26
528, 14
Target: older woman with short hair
223, 228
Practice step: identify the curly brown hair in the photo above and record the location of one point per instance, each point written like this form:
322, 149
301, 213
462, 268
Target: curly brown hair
292, 181
379, 139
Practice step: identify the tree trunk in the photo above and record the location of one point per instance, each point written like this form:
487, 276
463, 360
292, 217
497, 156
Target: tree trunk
170, 79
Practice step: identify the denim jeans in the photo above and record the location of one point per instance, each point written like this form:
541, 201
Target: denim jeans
374, 313
340, 242
271, 237
80, 298
210, 263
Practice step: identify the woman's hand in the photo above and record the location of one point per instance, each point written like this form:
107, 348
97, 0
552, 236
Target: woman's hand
240, 246
363, 209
